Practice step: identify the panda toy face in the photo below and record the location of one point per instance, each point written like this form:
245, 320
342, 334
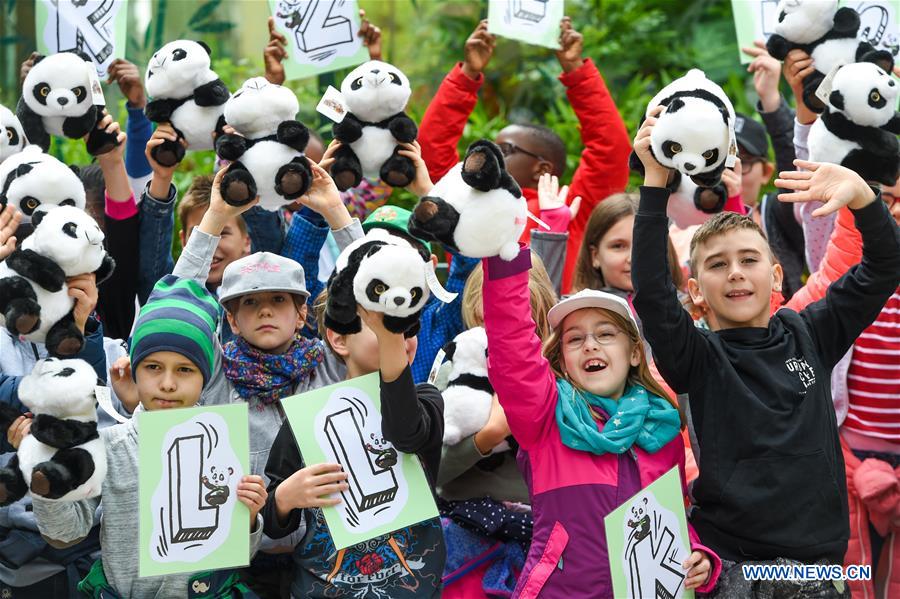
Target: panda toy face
805, 21
694, 133
177, 68
391, 280
58, 86
865, 93
375, 91
259, 107
68, 236
40, 390
31, 179
12, 136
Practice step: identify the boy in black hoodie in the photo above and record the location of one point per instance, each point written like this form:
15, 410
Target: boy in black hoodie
771, 485
404, 564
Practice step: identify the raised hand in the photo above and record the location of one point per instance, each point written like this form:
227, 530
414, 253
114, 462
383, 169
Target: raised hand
10, 217
551, 196
832, 184
571, 45
655, 174
766, 73
371, 36
478, 50
273, 55
130, 82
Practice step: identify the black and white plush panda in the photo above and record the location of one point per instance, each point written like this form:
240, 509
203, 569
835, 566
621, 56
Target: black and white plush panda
825, 32
12, 136
695, 133
63, 458
34, 299
57, 100
382, 273
375, 94
692, 205
32, 179
268, 149
859, 127
477, 208
186, 93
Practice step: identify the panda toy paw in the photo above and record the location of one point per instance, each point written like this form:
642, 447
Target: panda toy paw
64, 339
12, 483
293, 179
238, 186
61, 474
346, 169
398, 171
168, 153
100, 141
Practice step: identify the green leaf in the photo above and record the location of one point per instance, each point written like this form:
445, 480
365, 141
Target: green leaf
214, 27
204, 12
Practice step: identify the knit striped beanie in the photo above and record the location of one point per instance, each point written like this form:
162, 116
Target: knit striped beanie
180, 316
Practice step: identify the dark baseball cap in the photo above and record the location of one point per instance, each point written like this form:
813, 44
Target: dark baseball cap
751, 136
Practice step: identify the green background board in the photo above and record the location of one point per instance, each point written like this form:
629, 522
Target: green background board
547, 35
152, 427
42, 14
667, 490
293, 69
301, 411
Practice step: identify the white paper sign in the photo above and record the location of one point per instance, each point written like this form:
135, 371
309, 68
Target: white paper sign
94, 27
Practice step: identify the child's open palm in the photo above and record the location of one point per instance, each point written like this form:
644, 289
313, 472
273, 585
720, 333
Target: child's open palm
251, 491
834, 185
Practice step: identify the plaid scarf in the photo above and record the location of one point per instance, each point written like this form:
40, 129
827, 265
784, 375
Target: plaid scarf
269, 377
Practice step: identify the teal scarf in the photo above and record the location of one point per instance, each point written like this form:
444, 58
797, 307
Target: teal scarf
638, 417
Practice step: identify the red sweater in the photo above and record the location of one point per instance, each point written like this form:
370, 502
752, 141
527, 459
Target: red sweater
603, 169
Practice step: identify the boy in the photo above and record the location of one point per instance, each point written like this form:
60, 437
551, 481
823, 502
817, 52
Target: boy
404, 564
771, 484
533, 150
171, 357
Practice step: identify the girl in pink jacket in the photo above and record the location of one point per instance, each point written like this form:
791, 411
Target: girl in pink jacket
593, 427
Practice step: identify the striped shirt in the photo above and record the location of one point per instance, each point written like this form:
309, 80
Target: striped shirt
873, 380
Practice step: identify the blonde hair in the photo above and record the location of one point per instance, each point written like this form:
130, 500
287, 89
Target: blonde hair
541, 291
637, 375
603, 218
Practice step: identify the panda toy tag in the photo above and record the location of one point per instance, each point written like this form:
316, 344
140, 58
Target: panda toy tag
64, 458
12, 136
825, 32
32, 179
382, 273
477, 208
187, 94
267, 151
695, 133
859, 127
692, 205
375, 94
57, 100
34, 298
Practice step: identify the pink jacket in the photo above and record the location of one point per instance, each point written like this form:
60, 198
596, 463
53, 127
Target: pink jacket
571, 491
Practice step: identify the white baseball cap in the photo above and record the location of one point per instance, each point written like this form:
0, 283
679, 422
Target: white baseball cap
590, 298
259, 272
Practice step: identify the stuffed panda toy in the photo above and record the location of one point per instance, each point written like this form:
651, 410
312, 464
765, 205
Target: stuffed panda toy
825, 32
32, 179
859, 127
267, 152
186, 93
12, 136
382, 273
34, 299
692, 205
57, 100
695, 133
477, 208
468, 395
63, 458
375, 94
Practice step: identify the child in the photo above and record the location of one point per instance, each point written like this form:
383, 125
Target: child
771, 485
171, 358
404, 564
565, 407
533, 150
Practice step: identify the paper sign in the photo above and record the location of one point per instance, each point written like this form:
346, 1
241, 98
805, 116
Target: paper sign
94, 27
191, 461
322, 35
342, 424
648, 540
530, 21
332, 105
879, 25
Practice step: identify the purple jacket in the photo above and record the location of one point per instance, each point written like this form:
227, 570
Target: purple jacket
571, 491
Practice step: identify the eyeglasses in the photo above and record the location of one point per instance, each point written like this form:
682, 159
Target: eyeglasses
603, 335
889, 199
747, 163
507, 148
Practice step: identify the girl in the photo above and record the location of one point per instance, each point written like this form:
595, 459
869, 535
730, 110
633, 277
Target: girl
592, 425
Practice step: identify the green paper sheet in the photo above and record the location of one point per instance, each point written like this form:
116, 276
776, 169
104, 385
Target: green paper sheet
530, 21
191, 461
94, 27
388, 489
321, 35
648, 540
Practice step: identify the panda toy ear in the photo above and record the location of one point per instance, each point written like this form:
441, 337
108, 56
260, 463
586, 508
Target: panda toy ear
205, 47
75, 169
880, 58
449, 349
836, 99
